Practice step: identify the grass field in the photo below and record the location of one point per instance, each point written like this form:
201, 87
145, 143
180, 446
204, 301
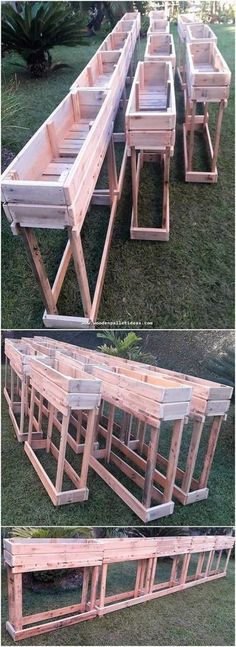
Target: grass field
203, 615
186, 283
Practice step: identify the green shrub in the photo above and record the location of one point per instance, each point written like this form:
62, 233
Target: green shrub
38, 27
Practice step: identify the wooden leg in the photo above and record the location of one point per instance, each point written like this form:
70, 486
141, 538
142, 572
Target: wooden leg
173, 575
153, 574
12, 385
199, 566
150, 466
31, 415
217, 136
218, 561
62, 452
78, 427
99, 415
227, 560
85, 589
22, 406
167, 164
141, 435
27, 395
6, 372
39, 269
128, 430
124, 425
184, 570
103, 585
191, 136
10, 588
148, 574
209, 562
142, 575
134, 186
88, 445
112, 172
192, 455
40, 412
137, 581
50, 427
109, 431
15, 599
94, 584
80, 269
173, 459
212, 442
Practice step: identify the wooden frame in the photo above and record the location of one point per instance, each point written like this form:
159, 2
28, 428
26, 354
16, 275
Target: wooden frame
96, 557
73, 143
150, 405
200, 33
160, 47
66, 388
184, 21
161, 26
210, 402
150, 129
162, 394
208, 80
159, 14
15, 390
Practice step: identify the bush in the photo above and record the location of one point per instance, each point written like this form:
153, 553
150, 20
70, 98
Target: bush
38, 27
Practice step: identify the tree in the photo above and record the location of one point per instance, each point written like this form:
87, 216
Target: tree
38, 27
124, 345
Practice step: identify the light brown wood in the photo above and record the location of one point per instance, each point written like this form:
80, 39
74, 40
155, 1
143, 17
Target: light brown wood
25, 555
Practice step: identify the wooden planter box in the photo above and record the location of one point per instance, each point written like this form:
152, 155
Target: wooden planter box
185, 20
66, 388
158, 26
146, 397
199, 33
52, 181
160, 47
161, 14
150, 127
208, 75
203, 554
150, 405
17, 355
210, 402
208, 80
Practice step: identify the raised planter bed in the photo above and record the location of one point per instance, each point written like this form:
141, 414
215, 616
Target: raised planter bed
51, 182
199, 33
203, 554
150, 127
208, 80
184, 21
66, 388
160, 47
145, 397
158, 26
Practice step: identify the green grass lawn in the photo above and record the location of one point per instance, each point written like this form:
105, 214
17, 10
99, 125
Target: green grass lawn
203, 615
25, 502
186, 283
